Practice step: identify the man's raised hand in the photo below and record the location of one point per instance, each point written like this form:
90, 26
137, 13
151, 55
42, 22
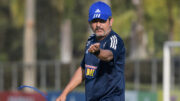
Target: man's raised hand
94, 48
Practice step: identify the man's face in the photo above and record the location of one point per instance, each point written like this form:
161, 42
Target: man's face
101, 27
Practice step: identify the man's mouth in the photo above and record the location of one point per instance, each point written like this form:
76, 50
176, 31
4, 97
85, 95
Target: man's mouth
99, 30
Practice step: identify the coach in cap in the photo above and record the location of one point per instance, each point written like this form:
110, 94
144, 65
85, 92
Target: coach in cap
102, 67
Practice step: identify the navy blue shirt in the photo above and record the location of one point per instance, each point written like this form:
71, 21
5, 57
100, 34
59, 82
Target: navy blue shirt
105, 81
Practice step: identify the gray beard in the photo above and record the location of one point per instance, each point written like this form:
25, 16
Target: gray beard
104, 34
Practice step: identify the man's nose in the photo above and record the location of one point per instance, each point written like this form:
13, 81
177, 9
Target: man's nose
98, 24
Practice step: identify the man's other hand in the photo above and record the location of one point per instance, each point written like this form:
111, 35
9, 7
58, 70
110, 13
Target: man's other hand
61, 98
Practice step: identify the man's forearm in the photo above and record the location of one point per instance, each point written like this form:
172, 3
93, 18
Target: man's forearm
105, 55
75, 81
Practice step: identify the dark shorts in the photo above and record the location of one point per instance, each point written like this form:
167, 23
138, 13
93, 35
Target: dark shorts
114, 98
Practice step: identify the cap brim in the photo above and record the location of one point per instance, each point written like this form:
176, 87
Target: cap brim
103, 17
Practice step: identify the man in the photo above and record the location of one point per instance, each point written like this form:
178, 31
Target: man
103, 64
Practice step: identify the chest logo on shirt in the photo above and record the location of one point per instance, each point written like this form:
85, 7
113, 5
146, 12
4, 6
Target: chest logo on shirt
90, 71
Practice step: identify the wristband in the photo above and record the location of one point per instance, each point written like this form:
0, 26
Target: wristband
97, 52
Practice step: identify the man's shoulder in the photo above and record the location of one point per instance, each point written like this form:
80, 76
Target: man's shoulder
114, 36
91, 37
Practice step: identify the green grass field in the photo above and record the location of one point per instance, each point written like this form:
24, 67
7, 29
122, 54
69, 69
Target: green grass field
146, 89
175, 95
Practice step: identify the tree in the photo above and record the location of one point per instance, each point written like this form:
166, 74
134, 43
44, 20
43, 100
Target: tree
29, 45
106, 1
65, 9
170, 19
11, 22
138, 35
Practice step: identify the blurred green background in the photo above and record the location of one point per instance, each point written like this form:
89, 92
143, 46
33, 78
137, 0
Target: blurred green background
144, 25
159, 19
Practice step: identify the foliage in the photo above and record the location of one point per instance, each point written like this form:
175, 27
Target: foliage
155, 22
50, 13
17, 12
122, 23
10, 33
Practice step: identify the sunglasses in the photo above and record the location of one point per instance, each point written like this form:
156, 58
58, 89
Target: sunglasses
98, 20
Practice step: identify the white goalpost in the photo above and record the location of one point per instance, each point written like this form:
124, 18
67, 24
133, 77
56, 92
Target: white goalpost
166, 68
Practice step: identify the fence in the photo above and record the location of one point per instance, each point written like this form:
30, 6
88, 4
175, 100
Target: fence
48, 75
52, 75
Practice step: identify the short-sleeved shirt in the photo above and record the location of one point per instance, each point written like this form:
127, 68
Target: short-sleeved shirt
104, 81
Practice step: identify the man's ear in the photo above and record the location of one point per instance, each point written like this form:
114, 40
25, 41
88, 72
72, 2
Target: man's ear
111, 21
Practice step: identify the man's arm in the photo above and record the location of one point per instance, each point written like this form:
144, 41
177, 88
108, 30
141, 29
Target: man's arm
74, 82
105, 55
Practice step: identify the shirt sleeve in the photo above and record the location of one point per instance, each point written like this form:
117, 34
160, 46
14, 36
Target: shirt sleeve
116, 46
83, 62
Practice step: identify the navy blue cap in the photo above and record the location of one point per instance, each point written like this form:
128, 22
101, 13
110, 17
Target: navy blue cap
99, 10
